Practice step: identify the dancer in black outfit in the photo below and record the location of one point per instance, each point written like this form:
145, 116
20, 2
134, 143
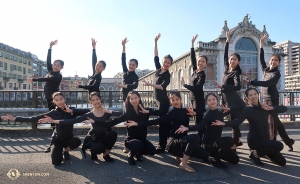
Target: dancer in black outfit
162, 80
95, 80
63, 134
230, 85
218, 147
270, 93
52, 79
258, 137
136, 141
180, 145
99, 139
130, 79
196, 84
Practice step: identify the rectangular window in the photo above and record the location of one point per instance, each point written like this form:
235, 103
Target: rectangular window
17, 59
24, 70
24, 78
210, 72
6, 56
1, 54
10, 75
20, 68
24, 86
0, 75
5, 66
29, 70
14, 76
10, 85
11, 67
1, 64
29, 63
25, 61
34, 64
4, 74
10, 57
20, 60
20, 77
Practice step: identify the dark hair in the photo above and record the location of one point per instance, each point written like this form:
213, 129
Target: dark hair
103, 63
175, 93
205, 57
128, 106
247, 93
60, 61
58, 94
134, 60
238, 67
169, 57
276, 55
210, 94
94, 94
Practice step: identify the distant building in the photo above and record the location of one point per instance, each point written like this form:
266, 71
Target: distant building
39, 69
139, 73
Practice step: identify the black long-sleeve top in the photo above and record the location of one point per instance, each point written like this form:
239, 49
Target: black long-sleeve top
98, 129
258, 121
130, 78
94, 80
162, 79
270, 79
139, 133
62, 131
197, 82
178, 117
52, 79
231, 79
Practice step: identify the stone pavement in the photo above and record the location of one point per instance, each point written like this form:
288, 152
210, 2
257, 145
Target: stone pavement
23, 156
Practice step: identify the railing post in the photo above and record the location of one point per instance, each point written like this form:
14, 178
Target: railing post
110, 98
34, 99
292, 116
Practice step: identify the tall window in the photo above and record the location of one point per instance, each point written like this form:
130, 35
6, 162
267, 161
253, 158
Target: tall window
180, 74
248, 52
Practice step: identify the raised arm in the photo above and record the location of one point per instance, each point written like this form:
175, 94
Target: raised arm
226, 63
156, 58
262, 53
193, 55
49, 64
125, 69
94, 56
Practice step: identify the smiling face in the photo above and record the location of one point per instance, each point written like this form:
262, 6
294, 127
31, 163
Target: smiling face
99, 67
201, 63
132, 66
233, 61
175, 101
252, 96
166, 63
56, 66
274, 62
212, 101
134, 100
95, 101
59, 101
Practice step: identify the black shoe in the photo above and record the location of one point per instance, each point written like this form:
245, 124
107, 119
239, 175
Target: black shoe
239, 144
291, 145
94, 157
48, 149
130, 160
67, 155
257, 161
107, 158
218, 164
159, 150
139, 158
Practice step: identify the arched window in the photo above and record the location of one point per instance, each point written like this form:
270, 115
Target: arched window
102, 88
171, 81
248, 52
180, 74
110, 88
191, 71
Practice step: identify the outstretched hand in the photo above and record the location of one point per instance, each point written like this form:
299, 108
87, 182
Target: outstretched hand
225, 108
182, 81
67, 109
266, 107
191, 112
124, 42
8, 117
94, 42
262, 39
47, 119
29, 79
194, 38
145, 82
181, 129
228, 34
217, 84
218, 123
157, 37
130, 123
245, 81
53, 43
88, 121
117, 84
144, 111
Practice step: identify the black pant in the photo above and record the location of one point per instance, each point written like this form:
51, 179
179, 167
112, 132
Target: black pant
199, 116
221, 149
276, 125
164, 128
269, 148
51, 106
141, 147
98, 147
189, 145
58, 146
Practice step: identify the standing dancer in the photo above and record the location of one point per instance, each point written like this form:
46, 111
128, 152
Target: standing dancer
196, 84
181, 144
52, 79
94, 80
270, 93
258, 137
162, 80
230, 85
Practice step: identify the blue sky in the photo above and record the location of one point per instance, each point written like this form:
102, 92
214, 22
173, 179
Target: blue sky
31, 25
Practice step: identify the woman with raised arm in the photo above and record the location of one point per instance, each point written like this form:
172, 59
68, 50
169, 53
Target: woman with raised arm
270, 93
130, 79
180, 145
62, 139
161, 82
230, 86
94, 81
258, 137
219, 147
196, 84
52, 81
100, 137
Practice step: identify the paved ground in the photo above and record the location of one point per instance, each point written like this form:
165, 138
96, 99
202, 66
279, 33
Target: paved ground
25, 154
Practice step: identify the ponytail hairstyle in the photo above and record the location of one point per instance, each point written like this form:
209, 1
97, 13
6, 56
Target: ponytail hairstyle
238, 67
94, 94
247, 101
61, 62
128, 106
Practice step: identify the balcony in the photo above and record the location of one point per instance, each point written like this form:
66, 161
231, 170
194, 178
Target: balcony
20, 80
6, 79
15, 88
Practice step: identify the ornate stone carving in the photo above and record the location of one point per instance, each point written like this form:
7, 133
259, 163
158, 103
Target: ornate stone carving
224, 30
